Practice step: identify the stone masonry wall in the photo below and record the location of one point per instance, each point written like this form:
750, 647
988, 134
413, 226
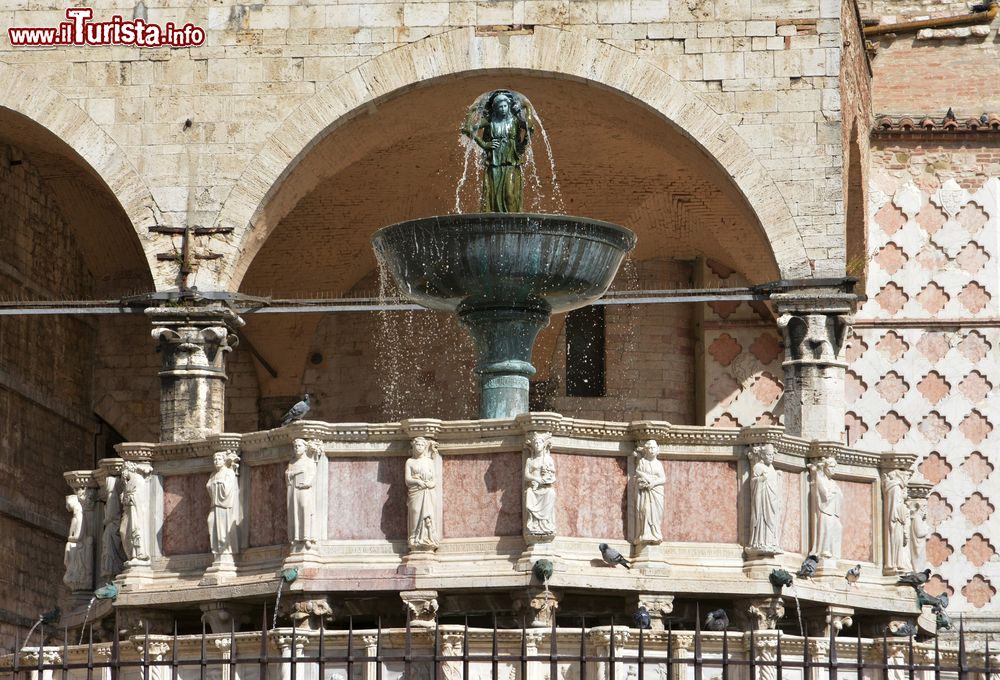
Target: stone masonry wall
923, 374
770, 69
46, 425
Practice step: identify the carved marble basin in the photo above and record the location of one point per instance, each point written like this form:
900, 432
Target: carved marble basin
503, 274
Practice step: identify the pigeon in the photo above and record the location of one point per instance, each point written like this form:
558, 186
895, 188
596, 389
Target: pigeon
542, 570
612, 557
950, 115
808, 567
984, 119
717, 621
780, 578
853, 574
642, 619
296, 412
915, 578
902, 629
982, 6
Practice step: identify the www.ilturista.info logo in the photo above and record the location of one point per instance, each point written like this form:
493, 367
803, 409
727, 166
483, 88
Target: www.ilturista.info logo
80, 30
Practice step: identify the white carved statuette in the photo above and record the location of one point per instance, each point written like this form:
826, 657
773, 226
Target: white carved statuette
649, 480
897, 520
421, 482
112, 552
135, 509
540, 485
224, 498
826, 499
919, 531
300, 476
79, 552
765, 501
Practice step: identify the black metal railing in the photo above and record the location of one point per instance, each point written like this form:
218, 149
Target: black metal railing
458, 652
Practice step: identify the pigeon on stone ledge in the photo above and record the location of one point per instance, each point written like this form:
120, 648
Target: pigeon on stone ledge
717, 621
612, 557
915, 578
853, 574
642, 619
296, 412
808, 567
902, 629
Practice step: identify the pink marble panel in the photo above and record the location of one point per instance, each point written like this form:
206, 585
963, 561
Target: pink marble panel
482, 495
590, 496
856, 519
268, 505
700, 503
791, 528
367, 499
185, 515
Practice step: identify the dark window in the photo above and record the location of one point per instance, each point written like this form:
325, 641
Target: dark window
585, 352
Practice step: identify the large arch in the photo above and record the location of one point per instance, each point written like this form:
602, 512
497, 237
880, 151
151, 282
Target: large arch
94, 151
548, 51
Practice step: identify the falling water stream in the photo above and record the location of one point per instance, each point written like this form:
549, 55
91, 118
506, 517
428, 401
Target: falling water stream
798, 611
277, 601
30, 631
86, 617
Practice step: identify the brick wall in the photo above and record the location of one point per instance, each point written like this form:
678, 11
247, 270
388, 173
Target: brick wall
46, 425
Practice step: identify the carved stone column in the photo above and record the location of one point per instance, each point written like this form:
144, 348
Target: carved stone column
305, 612
762, 613
421, 607
79, 554
193, 342
537, 607
814, 320
658, 605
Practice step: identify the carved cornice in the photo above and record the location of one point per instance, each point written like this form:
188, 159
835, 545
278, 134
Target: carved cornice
137, 452
79, 480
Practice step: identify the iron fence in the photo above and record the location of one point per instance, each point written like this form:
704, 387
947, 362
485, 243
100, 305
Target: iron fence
458, 652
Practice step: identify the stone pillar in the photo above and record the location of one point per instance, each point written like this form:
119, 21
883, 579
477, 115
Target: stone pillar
762, 613
537, 607
421, 607
193, 342
814, 319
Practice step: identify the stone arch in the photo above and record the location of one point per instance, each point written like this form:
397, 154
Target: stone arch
547, 51
101, 155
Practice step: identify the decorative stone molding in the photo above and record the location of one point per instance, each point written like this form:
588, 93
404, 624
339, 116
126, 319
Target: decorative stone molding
192, 342
763, 613
539, 488
837, 618
421, 607
537, 607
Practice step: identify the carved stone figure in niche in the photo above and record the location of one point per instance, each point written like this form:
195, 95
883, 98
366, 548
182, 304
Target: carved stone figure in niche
421, 482
897, 517
540, 485
765, 501
919, 531
135, 509
825, 528
224, 496
78, 557
301, 477
649, 480
112, 551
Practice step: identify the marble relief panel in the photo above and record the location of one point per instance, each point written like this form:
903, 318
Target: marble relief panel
856, 519
268, 513
185, 514
700, 501
791, 527
482, 495
591, 496
367, 499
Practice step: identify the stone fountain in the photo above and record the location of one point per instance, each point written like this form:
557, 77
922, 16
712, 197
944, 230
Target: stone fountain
503, 271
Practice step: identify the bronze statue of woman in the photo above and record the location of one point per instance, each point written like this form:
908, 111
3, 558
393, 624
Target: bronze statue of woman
501, 124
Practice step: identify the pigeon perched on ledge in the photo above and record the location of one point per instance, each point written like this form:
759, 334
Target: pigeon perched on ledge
642, 619
612, 557
915, 578
808, 567
853, 574
296, 412
717, 621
